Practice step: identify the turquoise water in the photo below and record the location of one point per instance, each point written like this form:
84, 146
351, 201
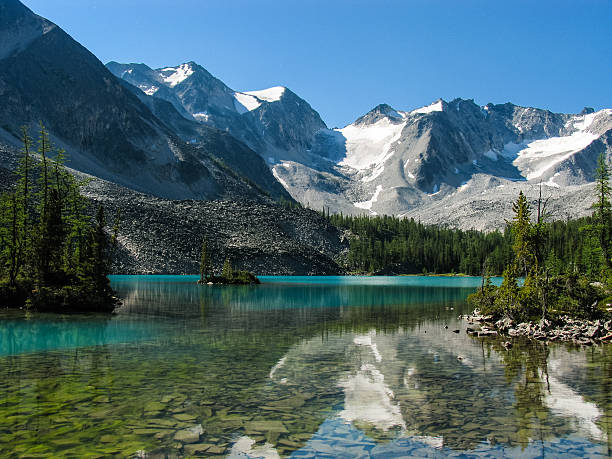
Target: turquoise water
297, 366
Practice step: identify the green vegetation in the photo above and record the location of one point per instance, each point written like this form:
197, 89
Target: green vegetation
391, 245
404, 246
53, 256
228, 275
552, 289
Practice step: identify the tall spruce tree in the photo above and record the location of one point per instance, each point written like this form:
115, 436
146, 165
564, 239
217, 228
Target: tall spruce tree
227, 272
100, 263
525, 259
204, 263
602, 214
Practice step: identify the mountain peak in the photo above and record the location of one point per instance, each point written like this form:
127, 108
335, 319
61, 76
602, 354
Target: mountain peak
13, 8
381, 111
386, 109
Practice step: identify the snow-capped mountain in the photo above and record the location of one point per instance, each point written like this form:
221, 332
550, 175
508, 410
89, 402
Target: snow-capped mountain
404, 162
275, 122
179, 132
106, 129
412, 163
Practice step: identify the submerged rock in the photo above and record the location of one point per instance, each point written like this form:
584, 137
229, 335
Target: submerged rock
154, 406
198, 448
266, 426
190, 435
184, 417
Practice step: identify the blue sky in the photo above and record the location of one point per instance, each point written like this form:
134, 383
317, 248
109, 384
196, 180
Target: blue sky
346, 56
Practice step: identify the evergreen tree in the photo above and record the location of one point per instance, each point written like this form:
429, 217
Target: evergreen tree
50, 247
43, 150
521, 229
15, 209
204, 264
539, 230
100, 263
11, 236
227, 272
24, 191
602, 214
508, 295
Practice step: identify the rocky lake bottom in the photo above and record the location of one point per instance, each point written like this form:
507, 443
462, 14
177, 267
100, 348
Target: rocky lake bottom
298, 366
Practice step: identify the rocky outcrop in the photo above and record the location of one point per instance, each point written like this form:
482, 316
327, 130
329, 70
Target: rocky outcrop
578, 331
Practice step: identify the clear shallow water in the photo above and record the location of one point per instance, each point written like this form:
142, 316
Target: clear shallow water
302, 367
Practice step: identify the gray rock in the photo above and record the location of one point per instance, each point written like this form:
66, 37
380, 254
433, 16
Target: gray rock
196, 448
486, 332
504, 324
593, 332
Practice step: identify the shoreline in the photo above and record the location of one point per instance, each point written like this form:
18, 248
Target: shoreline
578, 331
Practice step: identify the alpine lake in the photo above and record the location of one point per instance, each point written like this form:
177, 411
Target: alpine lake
349, 367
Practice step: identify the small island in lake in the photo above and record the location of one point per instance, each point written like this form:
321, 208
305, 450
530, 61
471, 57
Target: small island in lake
228, 275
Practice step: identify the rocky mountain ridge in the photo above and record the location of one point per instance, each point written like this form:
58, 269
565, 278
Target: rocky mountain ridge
275, 122
46, 76
423, 161
419, 163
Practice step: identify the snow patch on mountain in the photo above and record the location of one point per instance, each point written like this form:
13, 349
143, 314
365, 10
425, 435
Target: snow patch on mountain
245, 103
435, 107
277, 175
540, 156
148, 90
396, 114
379, 169
269, 95
367, 205
202, 116
551, 181
582, 123
368, 145
176, 75
512, 149
491, 155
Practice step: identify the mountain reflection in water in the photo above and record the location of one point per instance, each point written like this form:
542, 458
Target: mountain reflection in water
345, 367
